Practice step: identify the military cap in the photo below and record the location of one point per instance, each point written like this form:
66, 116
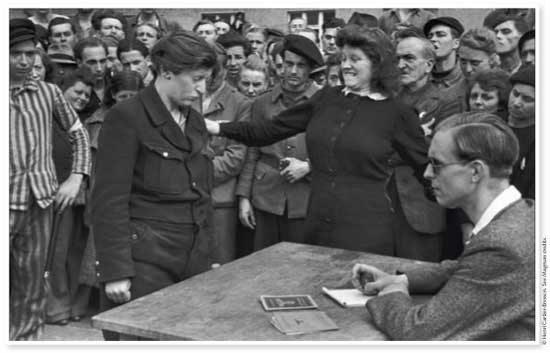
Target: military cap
21, 29
304, 47
446, 21
525, 75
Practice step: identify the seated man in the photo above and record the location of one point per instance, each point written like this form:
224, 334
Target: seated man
489, 292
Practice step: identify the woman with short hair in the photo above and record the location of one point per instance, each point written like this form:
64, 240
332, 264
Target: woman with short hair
151, 200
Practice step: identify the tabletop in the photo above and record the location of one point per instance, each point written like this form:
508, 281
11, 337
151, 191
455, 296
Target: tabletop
223, 304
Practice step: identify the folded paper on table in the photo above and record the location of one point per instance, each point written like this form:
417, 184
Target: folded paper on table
348, 298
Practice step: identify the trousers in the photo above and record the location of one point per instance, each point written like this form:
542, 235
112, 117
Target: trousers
67, 297
30, 232
164, 254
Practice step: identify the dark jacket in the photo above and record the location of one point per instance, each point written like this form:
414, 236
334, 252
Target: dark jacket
147, 169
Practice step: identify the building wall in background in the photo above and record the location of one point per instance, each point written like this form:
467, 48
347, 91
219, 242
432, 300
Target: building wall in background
277, 18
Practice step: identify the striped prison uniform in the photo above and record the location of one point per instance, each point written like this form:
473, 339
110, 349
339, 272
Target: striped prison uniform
33, 185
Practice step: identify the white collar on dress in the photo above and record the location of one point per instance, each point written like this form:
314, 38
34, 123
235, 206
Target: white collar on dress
375, 96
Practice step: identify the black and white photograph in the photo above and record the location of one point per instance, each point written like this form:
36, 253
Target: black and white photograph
275, 175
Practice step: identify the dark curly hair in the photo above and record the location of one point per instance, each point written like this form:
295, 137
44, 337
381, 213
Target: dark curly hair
378, 47
493, 79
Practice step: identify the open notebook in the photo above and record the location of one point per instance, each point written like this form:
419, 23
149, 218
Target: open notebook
347, 297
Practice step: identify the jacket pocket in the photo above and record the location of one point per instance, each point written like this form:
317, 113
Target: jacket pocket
164, 170
165, 248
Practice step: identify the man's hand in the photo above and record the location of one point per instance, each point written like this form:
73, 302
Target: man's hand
212, 126
370, 280
246, 213
295, 170
67, 192
119, 291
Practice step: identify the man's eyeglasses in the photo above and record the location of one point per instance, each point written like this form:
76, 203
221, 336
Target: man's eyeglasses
437, 166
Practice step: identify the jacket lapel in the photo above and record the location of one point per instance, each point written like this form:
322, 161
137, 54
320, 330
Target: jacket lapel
196, 130
160, 117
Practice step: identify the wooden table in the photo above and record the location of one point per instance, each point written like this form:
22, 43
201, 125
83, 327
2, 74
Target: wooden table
223, 304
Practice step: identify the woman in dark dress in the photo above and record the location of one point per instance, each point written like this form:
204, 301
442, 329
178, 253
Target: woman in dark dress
351, 133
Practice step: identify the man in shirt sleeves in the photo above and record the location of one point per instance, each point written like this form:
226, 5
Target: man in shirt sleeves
489, 292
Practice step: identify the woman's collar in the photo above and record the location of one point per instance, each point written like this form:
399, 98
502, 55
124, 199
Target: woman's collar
375, 96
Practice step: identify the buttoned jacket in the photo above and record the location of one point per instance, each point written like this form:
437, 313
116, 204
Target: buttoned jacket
148, 169
260, 179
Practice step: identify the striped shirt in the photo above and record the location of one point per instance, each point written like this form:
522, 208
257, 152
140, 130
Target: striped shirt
32, 107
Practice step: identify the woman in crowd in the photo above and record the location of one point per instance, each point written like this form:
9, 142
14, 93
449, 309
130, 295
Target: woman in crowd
43, 69
68, 298
350, 133
488, 91
254, 77
152, 212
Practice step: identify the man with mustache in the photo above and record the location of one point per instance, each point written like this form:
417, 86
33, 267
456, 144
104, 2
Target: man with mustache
273, 187
444, 33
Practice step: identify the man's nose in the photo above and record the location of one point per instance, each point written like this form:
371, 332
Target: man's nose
428, 172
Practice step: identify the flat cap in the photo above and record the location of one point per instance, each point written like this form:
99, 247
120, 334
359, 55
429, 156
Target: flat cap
304, 47
446, 21
21, 29
525, 75
61, 53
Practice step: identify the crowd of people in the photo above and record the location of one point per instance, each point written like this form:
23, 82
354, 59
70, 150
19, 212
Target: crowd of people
143, 153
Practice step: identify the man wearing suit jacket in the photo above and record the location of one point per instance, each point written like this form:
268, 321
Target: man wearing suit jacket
489, 292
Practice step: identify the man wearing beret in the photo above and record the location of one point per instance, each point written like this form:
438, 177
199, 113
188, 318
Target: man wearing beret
521, 118
444, 33
273, 186
33, 184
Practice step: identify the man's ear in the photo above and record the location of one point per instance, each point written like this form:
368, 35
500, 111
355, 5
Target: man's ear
480, 170
430, 65
456, 43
